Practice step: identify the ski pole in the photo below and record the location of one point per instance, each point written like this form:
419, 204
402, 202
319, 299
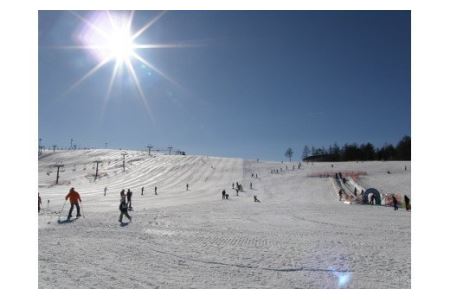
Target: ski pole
82, 211
59, 216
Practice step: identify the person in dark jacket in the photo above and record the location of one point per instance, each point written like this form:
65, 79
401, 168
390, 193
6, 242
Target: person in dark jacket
129, 194
39, 203
223, 194
407, 203
142, 191
123, 207
395, 202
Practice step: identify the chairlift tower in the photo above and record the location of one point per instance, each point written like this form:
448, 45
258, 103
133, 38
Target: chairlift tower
58, 166
96, 169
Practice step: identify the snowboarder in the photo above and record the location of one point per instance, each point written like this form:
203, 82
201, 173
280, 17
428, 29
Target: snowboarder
156, 190
255, 199
142, 191
395, 202
129, 194
104, 191
39, 203
74, 197
123, 207
251, 186
223, 194
187, 186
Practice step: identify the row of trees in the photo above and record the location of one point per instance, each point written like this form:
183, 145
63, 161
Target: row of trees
362, 152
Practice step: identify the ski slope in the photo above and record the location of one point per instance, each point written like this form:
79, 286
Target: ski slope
299, 236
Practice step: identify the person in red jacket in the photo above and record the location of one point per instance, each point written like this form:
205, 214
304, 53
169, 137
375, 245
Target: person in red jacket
74, 197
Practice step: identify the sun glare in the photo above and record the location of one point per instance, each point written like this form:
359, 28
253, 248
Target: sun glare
109, 37
121, 45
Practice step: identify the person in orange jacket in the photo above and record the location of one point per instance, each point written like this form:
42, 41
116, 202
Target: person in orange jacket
74, 197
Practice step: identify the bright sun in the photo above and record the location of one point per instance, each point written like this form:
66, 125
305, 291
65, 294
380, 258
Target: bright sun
120, 45
108, 37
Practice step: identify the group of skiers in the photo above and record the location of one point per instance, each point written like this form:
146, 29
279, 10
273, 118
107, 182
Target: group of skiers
142, 191
238, 188
125, 201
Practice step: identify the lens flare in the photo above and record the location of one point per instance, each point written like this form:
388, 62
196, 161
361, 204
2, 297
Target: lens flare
108, 37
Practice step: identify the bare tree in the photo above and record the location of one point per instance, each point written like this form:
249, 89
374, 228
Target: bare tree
306, 152
289, 153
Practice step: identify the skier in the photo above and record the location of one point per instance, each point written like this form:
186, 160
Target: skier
142, 191
252, 175
104, 191
340, 194
256, 175
394, 200
355, 192
156, 190
226, 196
74, 198
237, 192
255, 199
187, 186
123, 207
232, 185
39, 203
129, 194
223, 194
251, 186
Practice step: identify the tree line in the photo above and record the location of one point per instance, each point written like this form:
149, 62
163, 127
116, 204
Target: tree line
361, 152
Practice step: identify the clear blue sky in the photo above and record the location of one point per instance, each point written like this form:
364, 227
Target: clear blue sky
261, 82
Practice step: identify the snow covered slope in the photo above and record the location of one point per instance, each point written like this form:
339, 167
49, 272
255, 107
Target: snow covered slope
299, 236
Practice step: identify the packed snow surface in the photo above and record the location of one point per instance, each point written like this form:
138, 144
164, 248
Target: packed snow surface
298, 236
